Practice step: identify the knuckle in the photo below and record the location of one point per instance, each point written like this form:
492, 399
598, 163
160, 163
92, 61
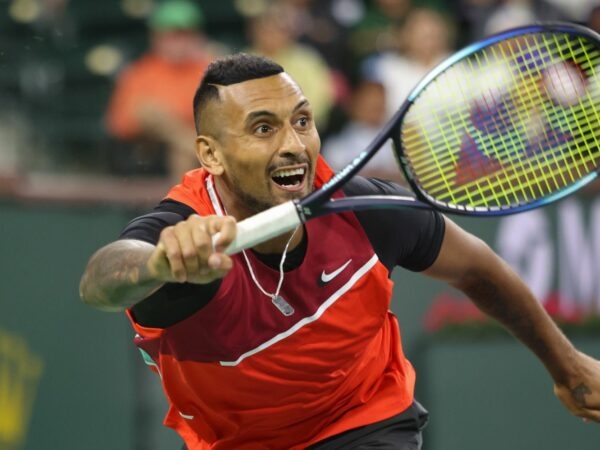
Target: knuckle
195, 219
173, 253
189, 254
204, 245
180, 226
167, 231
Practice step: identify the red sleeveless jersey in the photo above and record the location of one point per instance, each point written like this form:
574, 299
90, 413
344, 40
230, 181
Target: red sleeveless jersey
238, 374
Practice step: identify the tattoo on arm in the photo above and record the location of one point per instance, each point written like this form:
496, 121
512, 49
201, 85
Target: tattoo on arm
116, 276
579, 392
492, 300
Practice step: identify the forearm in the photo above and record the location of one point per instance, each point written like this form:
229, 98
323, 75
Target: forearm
500, 293
117, 276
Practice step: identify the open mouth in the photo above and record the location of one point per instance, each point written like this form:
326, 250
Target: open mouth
290, 179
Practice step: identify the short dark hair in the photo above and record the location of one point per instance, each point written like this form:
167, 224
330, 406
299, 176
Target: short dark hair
230, 70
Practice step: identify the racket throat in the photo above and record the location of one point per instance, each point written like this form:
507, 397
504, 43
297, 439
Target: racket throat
264, 226
304, 212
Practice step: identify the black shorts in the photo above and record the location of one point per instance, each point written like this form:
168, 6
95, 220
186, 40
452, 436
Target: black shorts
400, 432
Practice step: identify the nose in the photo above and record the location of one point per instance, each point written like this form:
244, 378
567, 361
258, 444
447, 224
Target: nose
291, 142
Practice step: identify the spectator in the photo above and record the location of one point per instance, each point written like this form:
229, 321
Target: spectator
272, 34
514, 13
593, 19
372, 33
367, 113
480, 18
324, 25
375, 32
424, 41
150, 106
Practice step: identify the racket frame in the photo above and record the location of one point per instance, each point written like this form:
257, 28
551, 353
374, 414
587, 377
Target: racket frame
287, 216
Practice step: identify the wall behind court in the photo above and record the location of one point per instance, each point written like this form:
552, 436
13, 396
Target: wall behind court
76, 370
68, 369
483, 389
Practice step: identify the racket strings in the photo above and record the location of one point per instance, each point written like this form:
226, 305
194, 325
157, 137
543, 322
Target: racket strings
530, 134
463, 116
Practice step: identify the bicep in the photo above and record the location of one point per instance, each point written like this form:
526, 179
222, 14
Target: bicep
461, 255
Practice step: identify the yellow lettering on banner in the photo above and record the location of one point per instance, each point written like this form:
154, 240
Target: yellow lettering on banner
20, 371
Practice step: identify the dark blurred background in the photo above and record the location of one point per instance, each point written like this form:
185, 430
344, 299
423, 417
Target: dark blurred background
95, 125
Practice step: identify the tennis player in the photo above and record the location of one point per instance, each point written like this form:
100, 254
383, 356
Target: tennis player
291, 345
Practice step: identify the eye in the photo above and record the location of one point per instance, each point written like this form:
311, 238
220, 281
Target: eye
303, 121
263, 129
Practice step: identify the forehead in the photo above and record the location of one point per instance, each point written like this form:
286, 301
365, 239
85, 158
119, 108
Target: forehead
273, 93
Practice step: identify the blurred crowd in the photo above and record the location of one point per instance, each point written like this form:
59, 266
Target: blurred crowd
107, 87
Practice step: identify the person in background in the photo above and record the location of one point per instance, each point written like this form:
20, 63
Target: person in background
515, 13
325, 25
367, 113
478, 19
150, 105
272, 33
423, 41
374, 33
593, 19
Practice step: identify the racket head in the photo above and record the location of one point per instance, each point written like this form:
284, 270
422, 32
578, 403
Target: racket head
507, 124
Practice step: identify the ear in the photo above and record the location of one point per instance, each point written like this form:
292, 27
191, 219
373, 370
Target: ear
209, 154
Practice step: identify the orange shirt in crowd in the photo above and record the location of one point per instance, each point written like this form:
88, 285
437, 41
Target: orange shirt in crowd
153, 81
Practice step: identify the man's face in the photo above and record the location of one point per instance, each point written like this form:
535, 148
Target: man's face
267, 141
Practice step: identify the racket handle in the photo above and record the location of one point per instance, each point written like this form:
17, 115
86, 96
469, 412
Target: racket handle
263, 226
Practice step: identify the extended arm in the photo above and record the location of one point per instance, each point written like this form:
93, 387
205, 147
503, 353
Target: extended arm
125, 272
470, 265
117, 276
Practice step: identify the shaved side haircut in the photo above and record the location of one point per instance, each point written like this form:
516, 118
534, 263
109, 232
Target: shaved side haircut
230, 70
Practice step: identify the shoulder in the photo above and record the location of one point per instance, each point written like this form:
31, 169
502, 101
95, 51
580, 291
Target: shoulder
148, 227
374, 186
406, 237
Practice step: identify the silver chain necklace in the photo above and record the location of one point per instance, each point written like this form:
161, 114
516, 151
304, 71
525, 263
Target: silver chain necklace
282, 305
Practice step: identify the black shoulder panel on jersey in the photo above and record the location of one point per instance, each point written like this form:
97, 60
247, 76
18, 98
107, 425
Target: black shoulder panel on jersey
407, 237
173, 302
410, 238
148, 227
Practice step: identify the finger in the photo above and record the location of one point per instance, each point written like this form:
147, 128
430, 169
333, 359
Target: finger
202, 242
157, 258
585, 413
589, 415
221, 263
187, 245
224, 229
172, 250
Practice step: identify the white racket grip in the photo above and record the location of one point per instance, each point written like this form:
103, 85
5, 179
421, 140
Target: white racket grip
263, 226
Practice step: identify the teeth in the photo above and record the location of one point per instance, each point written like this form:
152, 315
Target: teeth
288, 173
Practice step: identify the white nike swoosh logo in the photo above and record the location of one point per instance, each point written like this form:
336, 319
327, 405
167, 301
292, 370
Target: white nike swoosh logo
327, 277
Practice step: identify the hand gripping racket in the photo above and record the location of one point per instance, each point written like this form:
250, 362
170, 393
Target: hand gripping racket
506, 124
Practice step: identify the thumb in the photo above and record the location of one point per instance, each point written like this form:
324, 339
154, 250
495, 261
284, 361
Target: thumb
158, 263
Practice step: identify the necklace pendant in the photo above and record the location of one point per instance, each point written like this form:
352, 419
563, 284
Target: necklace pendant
282, 305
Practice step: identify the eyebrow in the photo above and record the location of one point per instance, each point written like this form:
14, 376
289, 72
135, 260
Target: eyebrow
265, 113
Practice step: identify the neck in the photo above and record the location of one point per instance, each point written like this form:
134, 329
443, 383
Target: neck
240, 211
277, 245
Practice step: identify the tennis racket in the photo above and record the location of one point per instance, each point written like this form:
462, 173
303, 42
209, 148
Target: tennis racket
504, 125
